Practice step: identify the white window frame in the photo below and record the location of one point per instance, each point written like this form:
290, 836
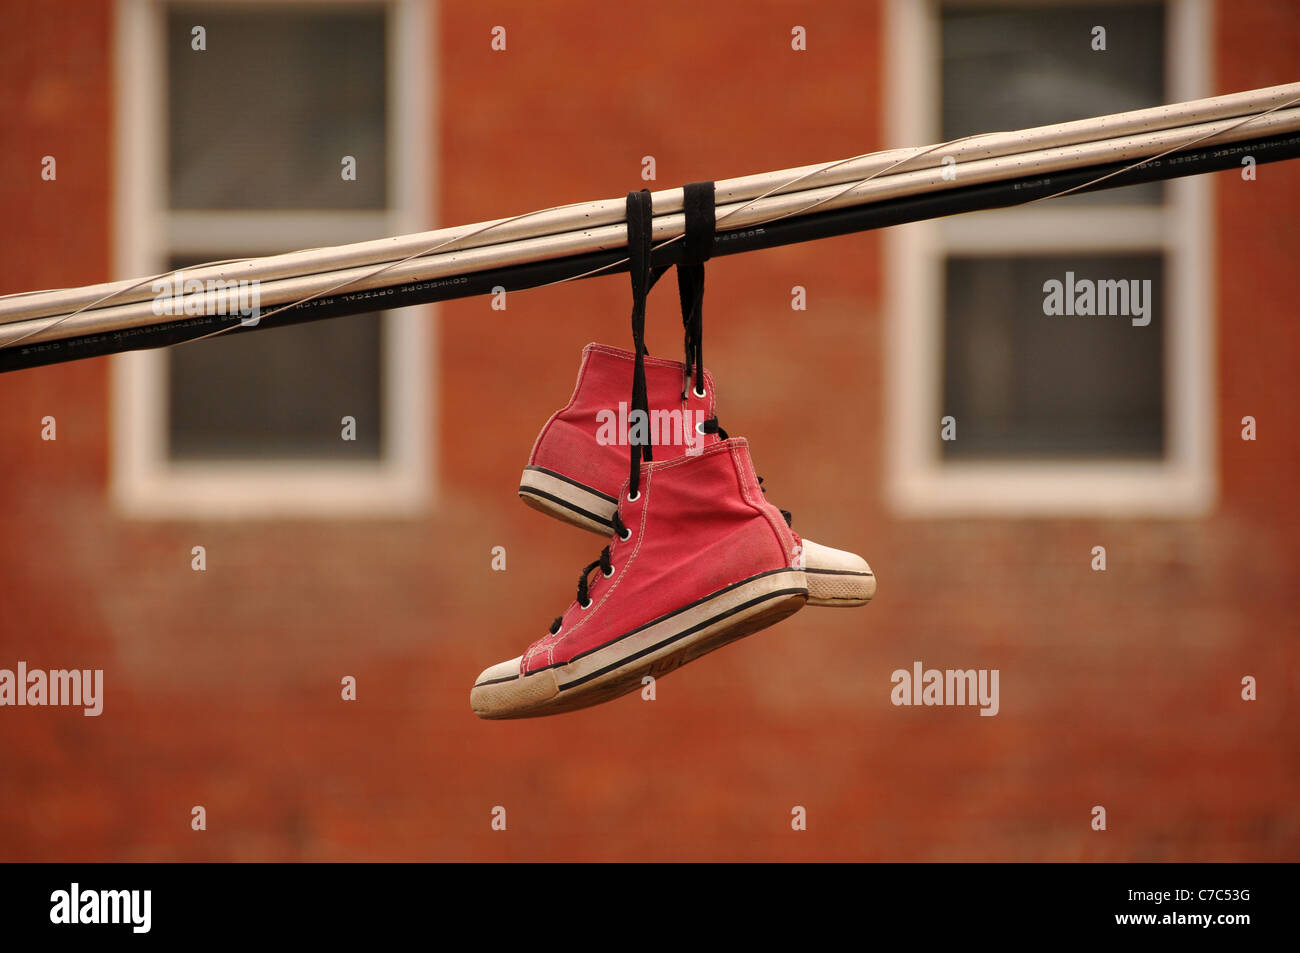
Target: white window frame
144, 481
919, 483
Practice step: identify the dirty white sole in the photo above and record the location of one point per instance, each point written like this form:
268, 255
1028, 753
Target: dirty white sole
654, 649
836, 579
567, 500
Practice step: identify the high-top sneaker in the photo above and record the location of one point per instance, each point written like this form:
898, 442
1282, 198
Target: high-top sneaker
580, 458
698, 559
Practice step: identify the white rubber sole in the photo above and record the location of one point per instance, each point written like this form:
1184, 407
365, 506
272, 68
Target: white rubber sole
836, 579
567, 500
655, 649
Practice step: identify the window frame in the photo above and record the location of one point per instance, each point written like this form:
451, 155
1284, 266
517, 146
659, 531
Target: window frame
144, 481
918, 481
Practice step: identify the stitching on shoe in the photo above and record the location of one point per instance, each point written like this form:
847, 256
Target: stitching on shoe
784, 545
731, 447
618, 576
577, 386
785, 570
628, 357
658, 465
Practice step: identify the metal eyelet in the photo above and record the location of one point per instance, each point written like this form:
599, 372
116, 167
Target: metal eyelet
590, 603
607, 575
699, 393
633, 499
699, 429
627, 537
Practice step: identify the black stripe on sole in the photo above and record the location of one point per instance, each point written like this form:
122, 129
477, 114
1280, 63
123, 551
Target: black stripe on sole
572, 507
668, 615
498, 681
623, 663
662, 618
572, 482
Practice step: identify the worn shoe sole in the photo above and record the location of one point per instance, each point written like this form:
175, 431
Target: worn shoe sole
836, 579
655, 649
567, 500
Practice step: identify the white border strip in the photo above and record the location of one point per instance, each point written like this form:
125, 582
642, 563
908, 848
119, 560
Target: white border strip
144, 483
918, 483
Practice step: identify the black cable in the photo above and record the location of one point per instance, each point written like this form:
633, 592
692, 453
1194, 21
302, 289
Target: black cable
802, 228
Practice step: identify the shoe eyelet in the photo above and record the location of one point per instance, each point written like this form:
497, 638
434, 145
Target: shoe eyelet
699, 429
699, 393
609, 574
627, 537
634, 498
589, 604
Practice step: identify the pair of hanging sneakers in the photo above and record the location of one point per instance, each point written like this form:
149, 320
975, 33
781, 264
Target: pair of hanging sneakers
697, 556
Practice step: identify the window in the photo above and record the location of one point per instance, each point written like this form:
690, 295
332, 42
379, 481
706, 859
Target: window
1051, 413
238, 150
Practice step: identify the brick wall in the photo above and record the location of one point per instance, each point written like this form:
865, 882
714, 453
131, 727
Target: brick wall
1118, 689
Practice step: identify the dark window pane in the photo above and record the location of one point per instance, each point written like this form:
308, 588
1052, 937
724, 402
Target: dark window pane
1014, 67
278, 393
1023, 384
263, 118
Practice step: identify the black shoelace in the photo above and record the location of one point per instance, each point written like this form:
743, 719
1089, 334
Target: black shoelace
606, 570
640, 223
697, 246
712, 426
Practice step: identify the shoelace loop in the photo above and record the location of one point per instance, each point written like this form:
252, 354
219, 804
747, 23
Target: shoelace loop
697, 246
640, 228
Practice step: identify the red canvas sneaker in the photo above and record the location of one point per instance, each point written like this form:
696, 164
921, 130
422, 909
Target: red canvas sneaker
698, 559
580, 458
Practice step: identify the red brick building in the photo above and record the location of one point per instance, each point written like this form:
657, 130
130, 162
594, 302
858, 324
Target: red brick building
1120, 689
